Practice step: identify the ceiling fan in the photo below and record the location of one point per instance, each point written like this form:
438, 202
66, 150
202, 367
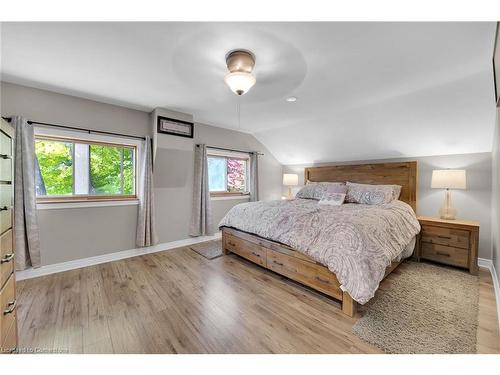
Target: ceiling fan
240, 64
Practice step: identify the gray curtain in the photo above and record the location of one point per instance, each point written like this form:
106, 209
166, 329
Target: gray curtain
146, 228
26, 231
201, 214
254, 176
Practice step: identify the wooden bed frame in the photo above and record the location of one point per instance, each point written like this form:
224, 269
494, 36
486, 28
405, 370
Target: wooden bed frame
293, 264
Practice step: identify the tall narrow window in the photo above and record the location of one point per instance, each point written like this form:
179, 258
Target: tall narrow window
228, 173
72, 169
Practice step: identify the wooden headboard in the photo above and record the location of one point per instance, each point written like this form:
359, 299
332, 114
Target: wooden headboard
404, 174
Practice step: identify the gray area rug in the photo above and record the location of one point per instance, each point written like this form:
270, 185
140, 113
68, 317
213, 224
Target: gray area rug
423, 309
209, 250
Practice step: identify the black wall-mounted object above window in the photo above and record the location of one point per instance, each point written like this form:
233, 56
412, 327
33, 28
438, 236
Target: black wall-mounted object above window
172, 126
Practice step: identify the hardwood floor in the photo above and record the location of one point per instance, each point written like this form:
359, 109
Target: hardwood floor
179, 302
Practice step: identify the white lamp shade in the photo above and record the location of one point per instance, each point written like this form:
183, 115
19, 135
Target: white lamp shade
239, 82
290, 179
448, 179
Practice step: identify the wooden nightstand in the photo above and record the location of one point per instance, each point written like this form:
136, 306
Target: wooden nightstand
453, 242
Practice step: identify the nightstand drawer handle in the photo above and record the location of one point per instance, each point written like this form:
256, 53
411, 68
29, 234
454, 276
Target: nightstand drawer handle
278, 263
443, 254
445, 237
257, 255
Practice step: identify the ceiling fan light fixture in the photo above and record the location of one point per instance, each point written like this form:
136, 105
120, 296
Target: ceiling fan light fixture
240, 64
240, 82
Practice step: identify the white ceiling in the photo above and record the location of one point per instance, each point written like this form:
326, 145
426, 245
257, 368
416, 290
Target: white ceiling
366, 90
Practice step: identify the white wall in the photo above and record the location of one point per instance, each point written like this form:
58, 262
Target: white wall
68, 234
473, 203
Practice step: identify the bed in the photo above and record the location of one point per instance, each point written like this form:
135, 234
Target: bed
344, 251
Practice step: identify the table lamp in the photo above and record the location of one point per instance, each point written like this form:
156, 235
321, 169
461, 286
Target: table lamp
290, 179
448, 179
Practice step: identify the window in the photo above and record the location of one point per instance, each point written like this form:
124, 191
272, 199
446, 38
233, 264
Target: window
84, 170
228, 173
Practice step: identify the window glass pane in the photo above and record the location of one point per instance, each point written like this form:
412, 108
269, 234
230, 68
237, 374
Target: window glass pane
236, 175
105, 169
128, 171
55, 160
216, 174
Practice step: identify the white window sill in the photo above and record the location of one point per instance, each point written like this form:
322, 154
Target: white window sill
231, 197
65, 205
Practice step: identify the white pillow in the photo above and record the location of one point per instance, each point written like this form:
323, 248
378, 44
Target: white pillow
335, 199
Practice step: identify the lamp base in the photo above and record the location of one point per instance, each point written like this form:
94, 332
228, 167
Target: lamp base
447, 212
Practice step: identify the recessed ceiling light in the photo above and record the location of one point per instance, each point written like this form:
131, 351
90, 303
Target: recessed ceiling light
291, 99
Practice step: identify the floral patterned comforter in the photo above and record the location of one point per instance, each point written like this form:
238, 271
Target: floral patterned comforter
355, 241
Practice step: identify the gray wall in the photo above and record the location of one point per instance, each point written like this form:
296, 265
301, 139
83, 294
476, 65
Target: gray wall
68, 234
495, 206
174, 176
76, 233
473, 203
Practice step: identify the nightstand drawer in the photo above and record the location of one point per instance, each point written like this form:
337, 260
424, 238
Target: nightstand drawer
445, 254
445, 236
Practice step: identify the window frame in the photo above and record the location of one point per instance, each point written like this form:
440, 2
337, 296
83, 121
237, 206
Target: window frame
231, 155
88, 140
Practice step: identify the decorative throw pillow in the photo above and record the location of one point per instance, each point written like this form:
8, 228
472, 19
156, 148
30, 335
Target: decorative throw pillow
334, 189
371, 194
333, 199
316, 190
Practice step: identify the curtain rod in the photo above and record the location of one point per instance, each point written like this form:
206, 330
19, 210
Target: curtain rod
230, 149
8, 119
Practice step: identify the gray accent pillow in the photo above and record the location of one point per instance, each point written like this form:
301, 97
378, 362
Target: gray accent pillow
372, 194
316, 190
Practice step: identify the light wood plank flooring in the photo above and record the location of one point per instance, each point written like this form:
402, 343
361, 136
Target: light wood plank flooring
179, 302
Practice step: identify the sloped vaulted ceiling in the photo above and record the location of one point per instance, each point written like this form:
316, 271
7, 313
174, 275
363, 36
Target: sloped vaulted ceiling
365, 90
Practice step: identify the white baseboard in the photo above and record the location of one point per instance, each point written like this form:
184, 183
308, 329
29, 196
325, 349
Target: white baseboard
487, 263
85, 262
